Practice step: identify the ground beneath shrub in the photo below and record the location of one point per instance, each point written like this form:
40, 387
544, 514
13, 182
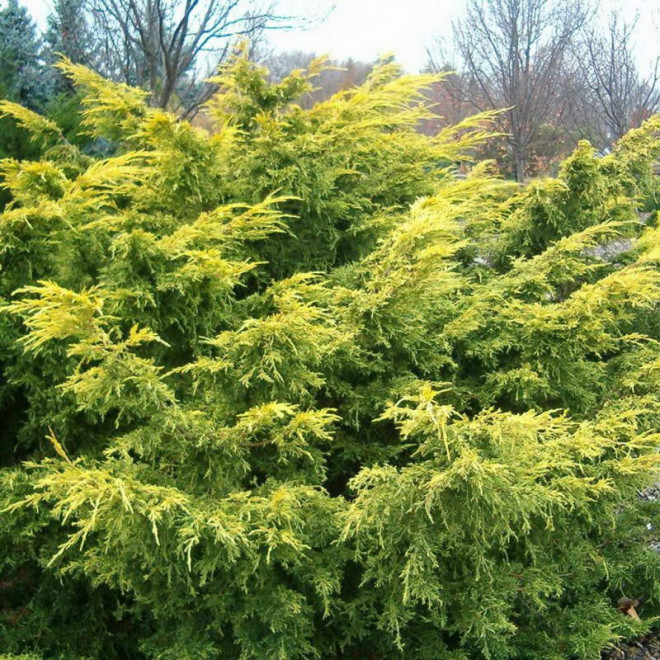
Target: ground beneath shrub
645, 648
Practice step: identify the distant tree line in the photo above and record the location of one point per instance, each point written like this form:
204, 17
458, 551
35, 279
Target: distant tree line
554, 68
338, 76
167, 47
555, 71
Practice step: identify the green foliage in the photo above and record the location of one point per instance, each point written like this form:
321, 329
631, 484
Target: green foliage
19, 78
294, 389
21, 75
27, 86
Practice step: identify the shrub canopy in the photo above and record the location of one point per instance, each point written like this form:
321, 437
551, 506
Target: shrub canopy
294, 389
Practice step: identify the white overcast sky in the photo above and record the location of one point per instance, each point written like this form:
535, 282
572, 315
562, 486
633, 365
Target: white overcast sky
364, 29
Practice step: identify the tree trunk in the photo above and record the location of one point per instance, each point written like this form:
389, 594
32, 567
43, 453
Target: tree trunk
520, 167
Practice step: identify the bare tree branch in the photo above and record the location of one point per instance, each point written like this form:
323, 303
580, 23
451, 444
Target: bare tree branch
514, 53
169, 46
611, 94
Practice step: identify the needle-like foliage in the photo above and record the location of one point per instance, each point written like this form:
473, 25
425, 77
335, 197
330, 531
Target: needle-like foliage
296, 388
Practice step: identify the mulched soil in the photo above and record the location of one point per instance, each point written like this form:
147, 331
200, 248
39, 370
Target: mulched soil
645, 648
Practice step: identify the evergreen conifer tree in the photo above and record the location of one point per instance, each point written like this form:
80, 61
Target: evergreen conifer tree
293, 389
22, 76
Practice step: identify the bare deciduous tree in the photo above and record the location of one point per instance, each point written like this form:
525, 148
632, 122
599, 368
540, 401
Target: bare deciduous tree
457, 95
611, 93
169, 46
514, 52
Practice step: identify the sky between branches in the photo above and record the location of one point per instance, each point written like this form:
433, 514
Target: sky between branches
364, 29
